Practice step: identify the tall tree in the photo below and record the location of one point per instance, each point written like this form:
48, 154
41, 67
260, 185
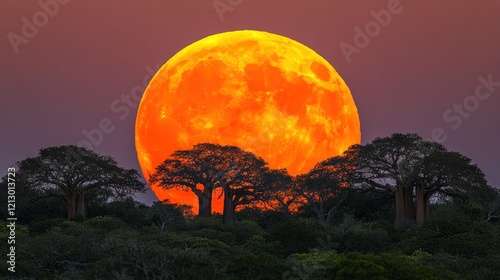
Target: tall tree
209, 166
73, 173
413, 169
446, 173
390, 164
199, 170
243, 181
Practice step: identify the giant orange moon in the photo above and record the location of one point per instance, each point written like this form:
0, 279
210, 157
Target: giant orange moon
262, 92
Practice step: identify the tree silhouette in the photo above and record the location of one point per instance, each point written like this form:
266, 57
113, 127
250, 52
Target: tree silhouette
243, 181
411, 169
325, 186
446, 173
390, 164
209, 166
73, 173
282, 193
199, 170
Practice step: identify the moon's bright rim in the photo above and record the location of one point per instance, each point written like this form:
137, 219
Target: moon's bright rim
263, 92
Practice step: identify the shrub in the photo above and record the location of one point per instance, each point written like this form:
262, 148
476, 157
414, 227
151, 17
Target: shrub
105, 223
395, 266
297, 236
260, 266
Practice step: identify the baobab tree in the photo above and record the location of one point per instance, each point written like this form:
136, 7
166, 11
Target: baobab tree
73, 173
413, 169
199, 170
207, 167
446, 173
390, 165
243, 181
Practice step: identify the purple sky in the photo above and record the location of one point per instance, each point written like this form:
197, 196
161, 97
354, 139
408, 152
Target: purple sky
63, 77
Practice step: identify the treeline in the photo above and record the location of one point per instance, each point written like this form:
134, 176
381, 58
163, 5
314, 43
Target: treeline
404, 166
399, 207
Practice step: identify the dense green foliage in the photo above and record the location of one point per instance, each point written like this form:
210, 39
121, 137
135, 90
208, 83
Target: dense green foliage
124, 239
347, 228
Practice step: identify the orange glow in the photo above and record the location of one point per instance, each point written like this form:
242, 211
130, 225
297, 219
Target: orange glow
262, 92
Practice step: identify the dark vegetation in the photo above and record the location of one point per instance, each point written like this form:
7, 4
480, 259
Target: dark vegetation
396, 208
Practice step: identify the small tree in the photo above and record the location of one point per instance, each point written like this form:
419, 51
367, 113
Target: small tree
494, 207
73, 173
325, 186
282, 193
163, 213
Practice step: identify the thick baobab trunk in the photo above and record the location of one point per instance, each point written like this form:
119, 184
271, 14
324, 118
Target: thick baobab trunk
80, 206
400, 206
421, 217
409, 211
228, 215
204, 202
404, 205
205, 205
423, 202
70, 202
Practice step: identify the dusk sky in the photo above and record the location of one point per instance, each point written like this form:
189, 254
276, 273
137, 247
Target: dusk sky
433, 67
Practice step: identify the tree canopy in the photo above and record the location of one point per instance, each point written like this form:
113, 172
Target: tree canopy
74, 173
325, 186
406, 165
409, 168
208, 166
